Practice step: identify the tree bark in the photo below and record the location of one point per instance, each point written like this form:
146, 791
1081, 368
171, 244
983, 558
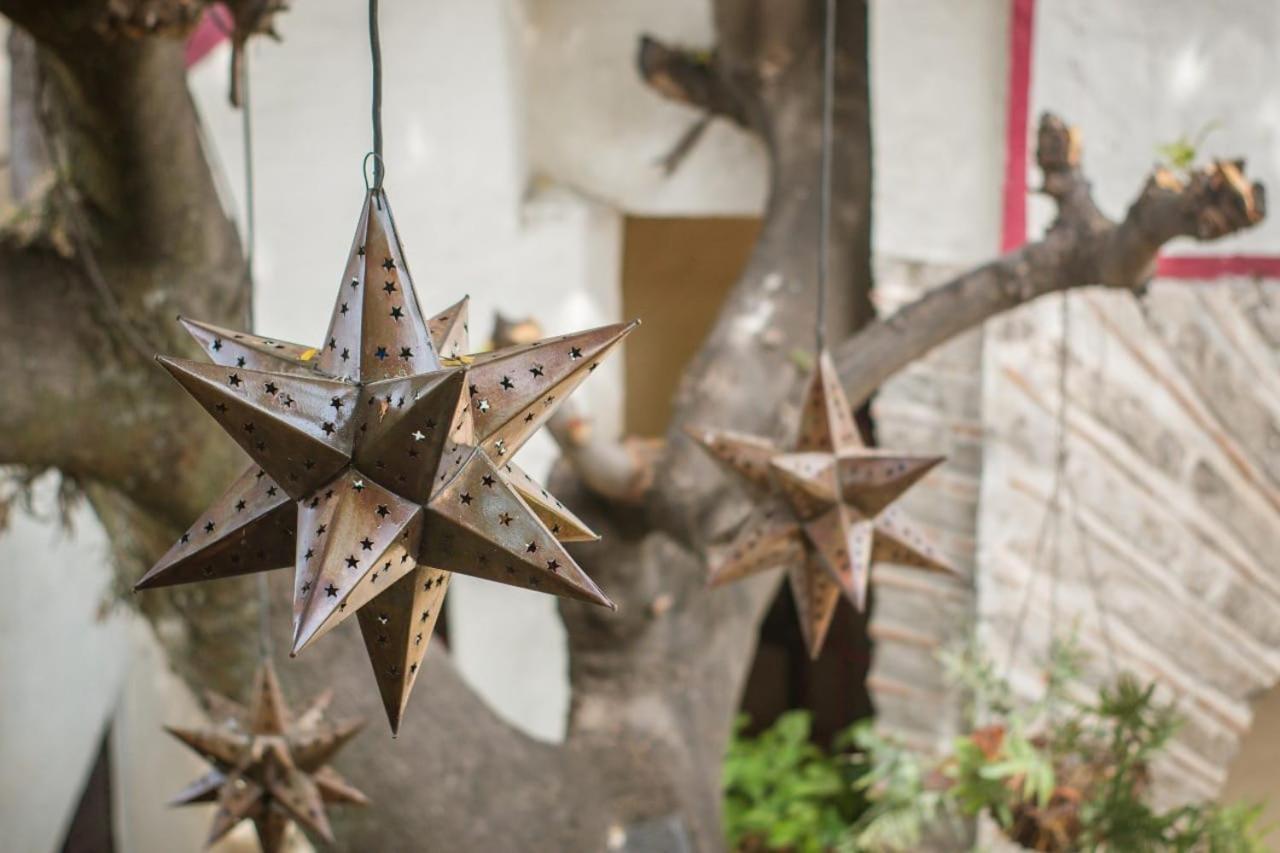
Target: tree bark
137, 234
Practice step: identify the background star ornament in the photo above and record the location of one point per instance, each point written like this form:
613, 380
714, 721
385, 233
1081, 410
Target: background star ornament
269, 766
825, 512
383, 461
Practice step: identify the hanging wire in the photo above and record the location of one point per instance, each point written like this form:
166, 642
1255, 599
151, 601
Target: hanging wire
250, 240
375, 52
246, 140
1051, 520
1104, 618
212, 155
1060, 459
217, 168
251, 243
1048, 524
1059, 479
1064, 494
1082, 542
824, 192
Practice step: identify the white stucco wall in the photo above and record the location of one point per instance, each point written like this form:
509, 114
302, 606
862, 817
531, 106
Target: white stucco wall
1137, 75
63, 651
938, 155
938, 107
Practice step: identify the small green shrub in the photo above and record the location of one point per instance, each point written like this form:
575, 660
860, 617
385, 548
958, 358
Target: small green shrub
781, 792
1060, 774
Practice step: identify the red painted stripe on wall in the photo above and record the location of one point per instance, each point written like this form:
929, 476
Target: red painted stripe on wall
1013, 232
1218, 266
208, 34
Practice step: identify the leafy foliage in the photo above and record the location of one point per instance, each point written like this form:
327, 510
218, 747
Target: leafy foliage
1061, 774
1181, 153
784, 793
904, 798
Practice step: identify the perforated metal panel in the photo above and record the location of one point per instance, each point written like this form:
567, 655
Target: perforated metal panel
269, 766
382, 461
824, 513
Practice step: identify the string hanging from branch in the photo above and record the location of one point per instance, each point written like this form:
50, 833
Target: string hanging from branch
824, 503
383, 458
1061, 493
242, 90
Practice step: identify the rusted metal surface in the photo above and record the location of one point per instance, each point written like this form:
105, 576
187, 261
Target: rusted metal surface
355, 539
382, 461
249, 528
824, 509
268, 766
396, 628
479, 521
449, 330
566, 526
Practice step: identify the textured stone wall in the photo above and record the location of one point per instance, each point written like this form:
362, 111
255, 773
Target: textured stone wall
1172, 518
932, 220
935, 406
1166, 538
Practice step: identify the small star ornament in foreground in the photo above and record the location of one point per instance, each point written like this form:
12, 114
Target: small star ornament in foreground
825, 514
269, 766
383, 461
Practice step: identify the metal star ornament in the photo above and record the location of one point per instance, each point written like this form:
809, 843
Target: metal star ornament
383, 461
825, 511
269, 766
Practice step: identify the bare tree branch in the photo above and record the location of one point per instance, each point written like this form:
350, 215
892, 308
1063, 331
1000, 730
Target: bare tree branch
689, 77
683, 147
617, 470
88, 296
1083, 247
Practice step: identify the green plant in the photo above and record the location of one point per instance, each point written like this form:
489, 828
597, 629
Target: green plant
781, 792
1061, 774
903, 797
1181, 152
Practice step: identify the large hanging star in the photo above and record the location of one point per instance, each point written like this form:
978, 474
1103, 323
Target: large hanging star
268, 766
381, 465
825, 514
